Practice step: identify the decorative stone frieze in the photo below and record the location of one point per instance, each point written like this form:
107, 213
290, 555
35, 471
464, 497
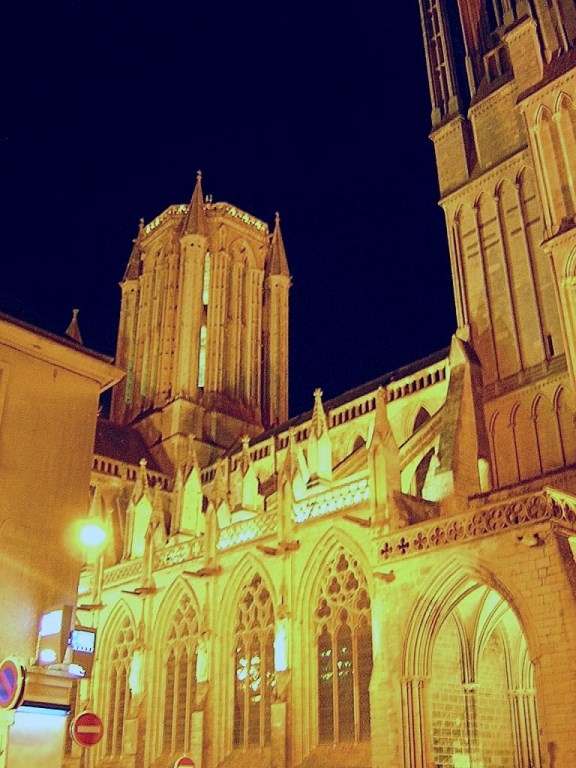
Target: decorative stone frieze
540, 507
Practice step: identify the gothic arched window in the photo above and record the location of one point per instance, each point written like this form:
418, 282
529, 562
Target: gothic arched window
421, 418
118, 692
180, 677
344, 645
254, 666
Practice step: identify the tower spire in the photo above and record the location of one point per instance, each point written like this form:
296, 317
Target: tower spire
73, 330
195, 221
277, 262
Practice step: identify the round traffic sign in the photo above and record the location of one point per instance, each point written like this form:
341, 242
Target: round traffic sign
184, 760
12, 678
86, 729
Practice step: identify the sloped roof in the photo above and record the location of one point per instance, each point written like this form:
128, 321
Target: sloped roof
122, 444
352, 394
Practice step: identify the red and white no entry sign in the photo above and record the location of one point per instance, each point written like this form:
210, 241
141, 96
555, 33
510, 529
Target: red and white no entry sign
12, 678
184, 760
87, 729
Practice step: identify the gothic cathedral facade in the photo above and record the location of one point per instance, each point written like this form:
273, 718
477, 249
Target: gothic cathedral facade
387, 580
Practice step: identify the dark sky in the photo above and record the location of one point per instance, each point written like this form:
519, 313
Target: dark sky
320, 114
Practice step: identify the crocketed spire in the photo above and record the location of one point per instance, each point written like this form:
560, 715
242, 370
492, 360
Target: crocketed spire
319, 423
195, 220
277, 262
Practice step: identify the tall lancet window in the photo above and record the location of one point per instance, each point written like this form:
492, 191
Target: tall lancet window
180, 652
344, 648
438, 55
254, 666
202, 357
117, 687
206, 281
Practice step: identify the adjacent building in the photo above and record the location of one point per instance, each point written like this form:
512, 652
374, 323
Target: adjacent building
49, 399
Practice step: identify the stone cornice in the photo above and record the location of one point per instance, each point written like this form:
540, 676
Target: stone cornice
546, 506
490, 177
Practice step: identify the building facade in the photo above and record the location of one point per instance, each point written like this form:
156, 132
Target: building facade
49, 399
387, 580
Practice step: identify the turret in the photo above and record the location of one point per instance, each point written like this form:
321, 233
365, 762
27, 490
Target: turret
275, 362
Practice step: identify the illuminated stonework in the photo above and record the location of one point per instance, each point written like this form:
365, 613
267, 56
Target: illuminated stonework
387, 580
347, 496
543, 507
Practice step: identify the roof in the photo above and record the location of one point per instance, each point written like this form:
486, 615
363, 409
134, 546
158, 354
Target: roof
360, 391
14, 310
122, 444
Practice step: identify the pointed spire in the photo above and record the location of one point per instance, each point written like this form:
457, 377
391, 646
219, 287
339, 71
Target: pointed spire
277, 262
195, 220
246, 460
133, 269
382, 431
291, 466
191, 459
220, 487
319, 423
319, 444
142, 485
73, 330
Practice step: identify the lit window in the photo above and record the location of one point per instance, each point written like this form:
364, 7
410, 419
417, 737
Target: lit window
206, 280
344, 647
254, 667
202, 357
118, 692
180, 680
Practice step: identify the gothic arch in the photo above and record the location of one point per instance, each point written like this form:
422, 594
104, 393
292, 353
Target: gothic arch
525, 440
563, 101
550, 140
475, 289
439, 597
242, 252
570, 268
120, 611
565, 420
239, 710
245, 567
175, 652
547, 433
543, 114
354, 442
335, 615
422, 416
324, 549
466, 654
119, 643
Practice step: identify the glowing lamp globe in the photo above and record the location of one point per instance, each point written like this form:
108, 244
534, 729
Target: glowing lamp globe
92, 535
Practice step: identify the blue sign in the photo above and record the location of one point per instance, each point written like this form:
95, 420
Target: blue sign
12, 678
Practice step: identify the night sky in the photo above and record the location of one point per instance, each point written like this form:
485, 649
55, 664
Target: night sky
320, 114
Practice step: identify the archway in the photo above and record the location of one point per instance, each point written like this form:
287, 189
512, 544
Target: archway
469, 679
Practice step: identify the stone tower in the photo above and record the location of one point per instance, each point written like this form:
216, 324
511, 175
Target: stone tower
502, 87
203, 331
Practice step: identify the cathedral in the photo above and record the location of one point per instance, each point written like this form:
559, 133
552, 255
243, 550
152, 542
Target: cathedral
387, 580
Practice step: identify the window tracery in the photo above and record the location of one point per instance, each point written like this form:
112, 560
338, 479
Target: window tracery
179, 689
118, 694
344, 652
254, 666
